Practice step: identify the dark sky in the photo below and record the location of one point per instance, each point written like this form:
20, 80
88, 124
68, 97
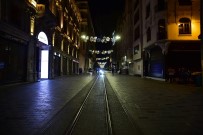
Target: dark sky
105, 14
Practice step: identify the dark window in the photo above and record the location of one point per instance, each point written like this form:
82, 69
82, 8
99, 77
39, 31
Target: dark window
58, 18
15, 14
184, 26
161, 29
161, 5
136, 4
136, 17
0, 9
147, 11
148, 34
65, 25
185, 2
3, 9
136, 33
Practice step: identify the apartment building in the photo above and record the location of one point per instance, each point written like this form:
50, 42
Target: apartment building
165, 34
122, 55
170, 36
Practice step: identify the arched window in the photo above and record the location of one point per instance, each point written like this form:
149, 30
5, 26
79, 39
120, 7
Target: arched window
184, 26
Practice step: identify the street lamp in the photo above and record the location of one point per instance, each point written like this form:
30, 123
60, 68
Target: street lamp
117, 37
85, 38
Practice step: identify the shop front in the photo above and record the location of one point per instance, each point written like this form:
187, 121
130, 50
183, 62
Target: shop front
13, 61
154, 62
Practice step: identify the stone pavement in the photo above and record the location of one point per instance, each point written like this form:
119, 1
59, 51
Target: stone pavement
26, 108
160, 108
157, 108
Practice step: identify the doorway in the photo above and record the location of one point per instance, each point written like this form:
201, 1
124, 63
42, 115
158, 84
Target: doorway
44, 64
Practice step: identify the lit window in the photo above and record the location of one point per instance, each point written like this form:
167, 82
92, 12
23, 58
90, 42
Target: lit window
184, 26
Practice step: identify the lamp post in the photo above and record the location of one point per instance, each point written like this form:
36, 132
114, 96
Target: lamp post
115, 38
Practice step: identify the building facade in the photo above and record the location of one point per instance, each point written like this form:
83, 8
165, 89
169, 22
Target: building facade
122, 55
39, 39
86, 58
165, 34
170, 38
16, 27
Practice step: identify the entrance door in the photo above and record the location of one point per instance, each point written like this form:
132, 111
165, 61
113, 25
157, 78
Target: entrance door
44, 63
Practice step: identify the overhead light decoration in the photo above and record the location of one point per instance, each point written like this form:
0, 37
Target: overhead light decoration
104, 39
96, 39
102, 64
101, 52
106, 58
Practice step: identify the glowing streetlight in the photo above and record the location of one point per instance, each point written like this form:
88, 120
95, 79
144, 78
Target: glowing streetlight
83, 36
117, 37
104, 39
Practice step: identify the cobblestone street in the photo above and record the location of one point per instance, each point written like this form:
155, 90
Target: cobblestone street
155, 107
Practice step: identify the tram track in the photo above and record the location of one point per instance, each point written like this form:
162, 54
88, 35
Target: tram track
106, 109
130, 127
110, 131
96, 109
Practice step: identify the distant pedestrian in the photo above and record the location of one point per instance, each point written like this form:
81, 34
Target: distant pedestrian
112, 70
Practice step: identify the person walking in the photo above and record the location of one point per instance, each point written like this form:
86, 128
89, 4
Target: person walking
112, 70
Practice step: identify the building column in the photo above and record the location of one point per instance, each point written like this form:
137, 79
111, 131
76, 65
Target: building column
51, 62
31, 64
61, 67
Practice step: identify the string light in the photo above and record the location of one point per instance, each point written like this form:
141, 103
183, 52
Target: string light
104, 39
101, 52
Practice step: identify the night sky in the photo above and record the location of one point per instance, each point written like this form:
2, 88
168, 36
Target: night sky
105, 14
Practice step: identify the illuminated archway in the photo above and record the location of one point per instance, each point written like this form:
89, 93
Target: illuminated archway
44, 56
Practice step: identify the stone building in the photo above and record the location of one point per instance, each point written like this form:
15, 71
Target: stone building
39, 39
86, 58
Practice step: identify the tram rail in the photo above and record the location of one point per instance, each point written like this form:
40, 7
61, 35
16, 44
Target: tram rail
71, 129
96, 109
